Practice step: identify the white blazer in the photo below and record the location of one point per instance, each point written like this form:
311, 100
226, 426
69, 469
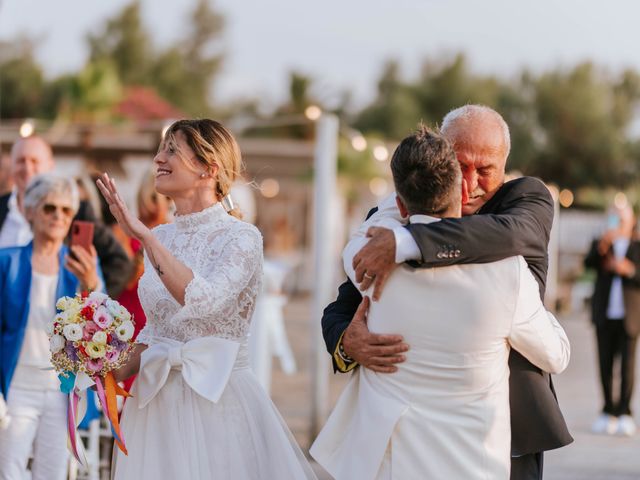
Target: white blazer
445, 413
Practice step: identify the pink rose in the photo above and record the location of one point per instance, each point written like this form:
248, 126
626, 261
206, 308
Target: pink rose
94, 364
89, 329
112, 355
102, 317
89, 302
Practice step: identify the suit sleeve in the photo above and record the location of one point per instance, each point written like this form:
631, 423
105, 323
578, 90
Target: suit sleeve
535, 332
337, 316
360, 239
521, 226
335, 320
593, 258
115, 264
633, 255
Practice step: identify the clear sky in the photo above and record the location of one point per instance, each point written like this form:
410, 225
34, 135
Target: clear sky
343, 43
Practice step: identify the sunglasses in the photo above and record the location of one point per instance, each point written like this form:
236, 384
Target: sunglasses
50, 208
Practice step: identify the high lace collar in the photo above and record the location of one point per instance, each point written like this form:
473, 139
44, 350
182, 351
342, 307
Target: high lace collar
207, 216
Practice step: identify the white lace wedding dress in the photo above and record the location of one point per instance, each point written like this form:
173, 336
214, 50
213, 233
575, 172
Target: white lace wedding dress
198, 412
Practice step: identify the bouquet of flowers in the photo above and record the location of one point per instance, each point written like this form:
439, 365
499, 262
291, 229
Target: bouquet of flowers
89, 338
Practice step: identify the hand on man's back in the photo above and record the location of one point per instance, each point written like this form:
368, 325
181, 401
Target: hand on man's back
377, 352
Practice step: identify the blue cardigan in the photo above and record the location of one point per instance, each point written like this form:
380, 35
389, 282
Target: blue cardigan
15, 289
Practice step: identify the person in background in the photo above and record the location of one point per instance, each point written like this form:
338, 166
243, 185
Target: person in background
6, 182
32, 156
615, 312
32, 278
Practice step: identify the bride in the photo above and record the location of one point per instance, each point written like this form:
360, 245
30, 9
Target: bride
197, 410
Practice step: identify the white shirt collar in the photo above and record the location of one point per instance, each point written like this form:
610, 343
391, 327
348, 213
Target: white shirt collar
13, 201
16, 230
423, 219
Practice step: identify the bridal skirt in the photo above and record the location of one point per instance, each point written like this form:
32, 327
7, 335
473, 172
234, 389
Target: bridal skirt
181, 435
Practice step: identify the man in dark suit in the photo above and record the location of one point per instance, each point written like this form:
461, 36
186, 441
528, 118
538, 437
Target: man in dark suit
29, 157
615, 312
514, 218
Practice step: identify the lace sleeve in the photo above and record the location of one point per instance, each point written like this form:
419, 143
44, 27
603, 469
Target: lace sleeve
145, 335
220, 298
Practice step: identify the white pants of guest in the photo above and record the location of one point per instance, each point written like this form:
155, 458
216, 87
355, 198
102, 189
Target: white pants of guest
38, 427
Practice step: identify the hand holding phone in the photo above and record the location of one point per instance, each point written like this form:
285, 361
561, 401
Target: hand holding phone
82, 234
82, 259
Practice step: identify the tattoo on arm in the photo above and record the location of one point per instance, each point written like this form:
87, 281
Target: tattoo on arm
155, 263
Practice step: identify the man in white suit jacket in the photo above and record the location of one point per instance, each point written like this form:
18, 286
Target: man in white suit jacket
445, 413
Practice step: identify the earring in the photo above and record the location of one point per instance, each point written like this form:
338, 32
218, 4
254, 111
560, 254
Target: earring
203, 175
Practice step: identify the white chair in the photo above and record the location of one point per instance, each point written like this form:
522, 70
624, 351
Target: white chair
98, 442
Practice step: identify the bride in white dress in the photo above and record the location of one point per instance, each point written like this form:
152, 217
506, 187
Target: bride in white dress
197, 410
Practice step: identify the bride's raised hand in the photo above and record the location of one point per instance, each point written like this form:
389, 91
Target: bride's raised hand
131, 225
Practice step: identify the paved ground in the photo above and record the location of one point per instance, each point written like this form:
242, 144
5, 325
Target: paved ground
590, 457
593, 457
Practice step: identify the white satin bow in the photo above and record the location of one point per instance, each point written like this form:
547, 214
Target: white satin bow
206, 364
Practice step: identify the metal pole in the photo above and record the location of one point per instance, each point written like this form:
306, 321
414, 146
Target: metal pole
324, 241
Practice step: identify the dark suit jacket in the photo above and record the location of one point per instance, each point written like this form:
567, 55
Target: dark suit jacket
516, 221
115, 264
630, 288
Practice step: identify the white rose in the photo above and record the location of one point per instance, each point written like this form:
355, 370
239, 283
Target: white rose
63, 303
112, 306
72, 311
125, 331
117, 311
56, 343
98, 297
61, 318
100, 337
50, 328
72, 332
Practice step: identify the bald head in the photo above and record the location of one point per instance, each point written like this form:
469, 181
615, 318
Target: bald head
480, 138
30, 156
478, 125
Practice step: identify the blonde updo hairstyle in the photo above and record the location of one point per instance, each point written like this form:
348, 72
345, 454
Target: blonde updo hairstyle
213, 145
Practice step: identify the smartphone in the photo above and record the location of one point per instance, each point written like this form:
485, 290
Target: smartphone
82, 234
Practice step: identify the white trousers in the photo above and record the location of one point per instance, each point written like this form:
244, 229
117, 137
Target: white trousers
38, 427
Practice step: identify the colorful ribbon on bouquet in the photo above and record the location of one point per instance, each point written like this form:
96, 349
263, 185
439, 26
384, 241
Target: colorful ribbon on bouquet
76, 387
73, 420
107, 395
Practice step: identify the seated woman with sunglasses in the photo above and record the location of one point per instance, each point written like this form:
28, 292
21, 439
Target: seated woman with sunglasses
32, 278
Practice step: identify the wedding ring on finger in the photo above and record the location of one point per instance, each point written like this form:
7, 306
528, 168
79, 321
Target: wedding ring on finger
369, 277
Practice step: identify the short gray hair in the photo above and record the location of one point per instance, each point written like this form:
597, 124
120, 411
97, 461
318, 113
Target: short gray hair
42, 185
467, 112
